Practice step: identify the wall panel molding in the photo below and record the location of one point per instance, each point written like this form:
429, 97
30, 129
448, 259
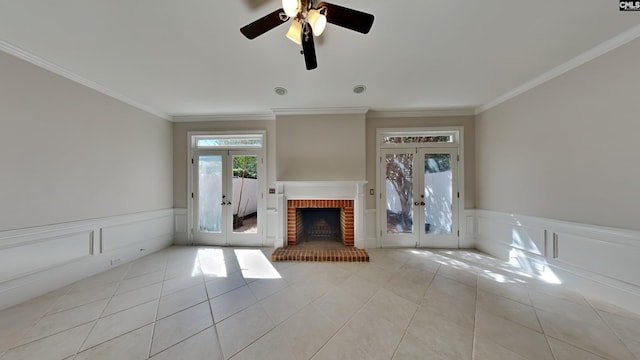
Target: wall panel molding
36, 260
468, 230
600, 262
180, 226
52, 251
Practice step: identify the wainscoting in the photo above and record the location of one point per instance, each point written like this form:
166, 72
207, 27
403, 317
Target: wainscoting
599, 262
36, 260
467, 230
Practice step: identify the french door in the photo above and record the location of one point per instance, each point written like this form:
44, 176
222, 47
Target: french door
419, 197
227, 197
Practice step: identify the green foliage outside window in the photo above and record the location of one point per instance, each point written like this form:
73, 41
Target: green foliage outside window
245, 167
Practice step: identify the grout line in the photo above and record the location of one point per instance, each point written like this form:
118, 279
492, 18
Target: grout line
155, 318
95, 322
406, 329
213, 320
535, 311
48, 336
35, 322
353, 314
475, 321
606, 323
189, 337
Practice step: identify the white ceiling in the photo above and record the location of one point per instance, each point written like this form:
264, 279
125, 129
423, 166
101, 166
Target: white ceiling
188, 57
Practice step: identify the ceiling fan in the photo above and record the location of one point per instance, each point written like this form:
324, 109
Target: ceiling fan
308, 20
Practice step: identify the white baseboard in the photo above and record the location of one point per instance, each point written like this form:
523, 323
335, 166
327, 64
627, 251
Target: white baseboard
34, 261
600, 262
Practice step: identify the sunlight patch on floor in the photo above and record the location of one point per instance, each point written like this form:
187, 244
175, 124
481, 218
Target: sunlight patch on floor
254, 265
211, 262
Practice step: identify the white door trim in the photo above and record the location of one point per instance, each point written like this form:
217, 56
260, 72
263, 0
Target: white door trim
262, 206
458, 132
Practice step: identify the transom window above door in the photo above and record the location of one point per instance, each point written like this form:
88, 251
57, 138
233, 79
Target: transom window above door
415, 138
236, 141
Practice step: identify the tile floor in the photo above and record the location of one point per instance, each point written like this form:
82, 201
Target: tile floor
224, 303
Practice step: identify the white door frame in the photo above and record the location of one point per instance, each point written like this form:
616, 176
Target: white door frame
262, 180
457, 132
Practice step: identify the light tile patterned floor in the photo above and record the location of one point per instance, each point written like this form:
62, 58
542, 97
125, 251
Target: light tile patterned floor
224, 303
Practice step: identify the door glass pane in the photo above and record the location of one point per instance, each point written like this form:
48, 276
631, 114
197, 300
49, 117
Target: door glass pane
245, 194
399, 193
210, 193
438, 190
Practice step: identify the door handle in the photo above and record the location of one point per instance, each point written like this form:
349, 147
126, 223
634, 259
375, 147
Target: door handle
422, 203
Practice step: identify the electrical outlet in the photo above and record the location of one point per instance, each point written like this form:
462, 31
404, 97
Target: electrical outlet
115, 261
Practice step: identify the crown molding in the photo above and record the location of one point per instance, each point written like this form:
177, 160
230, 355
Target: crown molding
579, 60
321, 111
462, 111
49, 66
223, 117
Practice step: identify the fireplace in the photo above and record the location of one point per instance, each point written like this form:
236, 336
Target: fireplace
346, 198
309, 220
319, 224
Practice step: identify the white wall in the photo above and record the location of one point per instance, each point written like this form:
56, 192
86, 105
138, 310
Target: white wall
557, 181
321, 147
84, 179
69, 153
568, 148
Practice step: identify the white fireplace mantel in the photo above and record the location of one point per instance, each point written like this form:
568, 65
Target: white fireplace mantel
321, 190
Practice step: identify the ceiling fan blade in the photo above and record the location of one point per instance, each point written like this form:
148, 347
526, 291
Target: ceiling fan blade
263, 24
348, 18
308, 48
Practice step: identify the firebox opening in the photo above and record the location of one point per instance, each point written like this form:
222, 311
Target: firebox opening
321, 224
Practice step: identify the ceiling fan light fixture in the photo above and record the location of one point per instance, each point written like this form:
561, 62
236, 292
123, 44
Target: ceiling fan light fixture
317, 20
295, 32
291, 7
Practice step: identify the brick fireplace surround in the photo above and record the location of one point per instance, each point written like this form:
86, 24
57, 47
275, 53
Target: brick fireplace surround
295, 196
294, 218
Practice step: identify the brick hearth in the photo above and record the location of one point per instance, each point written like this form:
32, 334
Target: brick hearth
346, 254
